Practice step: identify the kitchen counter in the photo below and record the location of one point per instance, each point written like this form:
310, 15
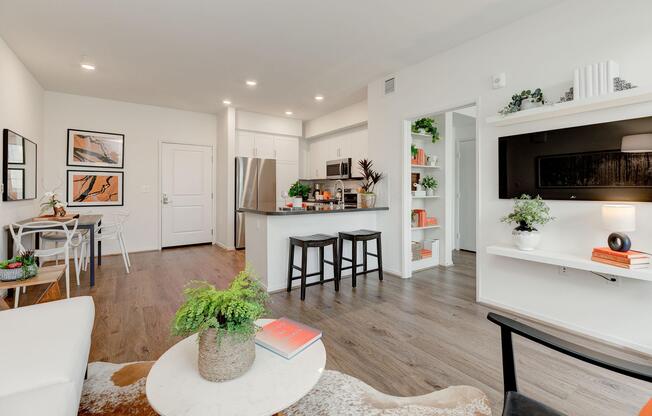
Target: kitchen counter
268, 231
310, 210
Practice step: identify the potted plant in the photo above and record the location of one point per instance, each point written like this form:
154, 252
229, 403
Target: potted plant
426, 125
524, 100
430, 184
367, 198
298, 191
414, 151
225, 322
528, 212
52, 201
20, 267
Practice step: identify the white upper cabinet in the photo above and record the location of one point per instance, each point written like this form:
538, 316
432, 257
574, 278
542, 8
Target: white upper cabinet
287, 148
264, 144
245, 144
359, 142
348, 144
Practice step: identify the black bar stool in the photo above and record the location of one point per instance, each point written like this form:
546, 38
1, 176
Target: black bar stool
306, 242
364, 236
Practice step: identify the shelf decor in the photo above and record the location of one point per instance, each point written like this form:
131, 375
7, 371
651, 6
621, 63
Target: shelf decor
428, 126
524, 100
527, 213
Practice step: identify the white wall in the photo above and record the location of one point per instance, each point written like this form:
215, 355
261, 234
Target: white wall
144, 128
225, 172
21, 110
531, 58
345, 118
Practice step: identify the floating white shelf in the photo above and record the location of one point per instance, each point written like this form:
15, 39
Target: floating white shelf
426, 166
428, 227
569, 260
425, 197
617, 99
419, 136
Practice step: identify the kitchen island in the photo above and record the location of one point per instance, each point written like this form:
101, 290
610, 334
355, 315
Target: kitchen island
267, 239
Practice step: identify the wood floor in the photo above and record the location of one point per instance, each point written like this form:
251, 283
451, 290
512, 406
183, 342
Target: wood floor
403, 337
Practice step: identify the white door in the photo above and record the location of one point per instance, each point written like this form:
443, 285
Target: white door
287, 173
245, 145
186, 190
466, 195
265, 146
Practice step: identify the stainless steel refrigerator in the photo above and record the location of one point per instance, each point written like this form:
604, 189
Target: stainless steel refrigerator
255, 188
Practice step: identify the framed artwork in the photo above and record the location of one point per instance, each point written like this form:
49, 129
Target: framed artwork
95, 149
95, 188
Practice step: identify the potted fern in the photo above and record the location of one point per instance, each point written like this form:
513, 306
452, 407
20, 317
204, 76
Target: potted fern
225, 322
367, 198
527, 214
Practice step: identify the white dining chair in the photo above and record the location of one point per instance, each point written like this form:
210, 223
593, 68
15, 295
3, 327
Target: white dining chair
68, 229
78, 244
110, 231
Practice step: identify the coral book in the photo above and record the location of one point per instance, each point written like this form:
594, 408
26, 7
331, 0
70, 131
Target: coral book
286, 337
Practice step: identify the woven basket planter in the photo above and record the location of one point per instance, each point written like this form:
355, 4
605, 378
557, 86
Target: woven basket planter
21, 273
226, 359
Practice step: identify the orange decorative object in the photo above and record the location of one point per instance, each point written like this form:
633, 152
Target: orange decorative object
647, 409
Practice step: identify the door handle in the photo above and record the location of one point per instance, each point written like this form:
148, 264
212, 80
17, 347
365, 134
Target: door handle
165, 200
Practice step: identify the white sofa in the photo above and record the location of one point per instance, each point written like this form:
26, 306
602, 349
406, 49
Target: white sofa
43, 357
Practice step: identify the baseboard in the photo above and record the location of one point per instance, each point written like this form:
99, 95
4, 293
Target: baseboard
225, 247
570, 328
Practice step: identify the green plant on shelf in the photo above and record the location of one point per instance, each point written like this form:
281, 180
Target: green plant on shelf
513, 106
299, 189
414, 150
429, 182
428, 126
370, 177
528, 212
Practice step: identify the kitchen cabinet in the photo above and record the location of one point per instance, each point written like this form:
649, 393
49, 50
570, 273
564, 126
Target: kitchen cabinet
267, 146
359, 149
245, 144
287, 173
286, 148
348, 144
264, 144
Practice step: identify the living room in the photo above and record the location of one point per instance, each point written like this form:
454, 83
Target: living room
405, 331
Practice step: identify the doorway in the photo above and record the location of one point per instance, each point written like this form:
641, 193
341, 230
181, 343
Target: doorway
464, 124
186, 194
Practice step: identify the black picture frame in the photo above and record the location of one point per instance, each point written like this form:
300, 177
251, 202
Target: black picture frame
69, 197
6, 166
94, 165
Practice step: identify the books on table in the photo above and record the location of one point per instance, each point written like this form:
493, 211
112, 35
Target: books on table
286, 337
625, 259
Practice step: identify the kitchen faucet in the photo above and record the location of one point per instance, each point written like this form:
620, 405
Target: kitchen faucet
340, 203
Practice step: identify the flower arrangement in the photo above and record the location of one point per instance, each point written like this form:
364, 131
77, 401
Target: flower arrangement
428, 126
528, 213
51, 200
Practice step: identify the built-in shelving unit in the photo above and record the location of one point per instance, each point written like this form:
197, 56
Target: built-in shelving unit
426, 166
425, 197
617, 99
572, 261
427, 227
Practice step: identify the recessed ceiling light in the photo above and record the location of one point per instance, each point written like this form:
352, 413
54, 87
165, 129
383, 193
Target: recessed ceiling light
319, 97
251, 82
87, 66
288, 113
226, 102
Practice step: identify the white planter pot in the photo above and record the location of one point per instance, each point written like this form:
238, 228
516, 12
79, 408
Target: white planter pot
432, 160
526, 240
430, 192
527, 104
297, 202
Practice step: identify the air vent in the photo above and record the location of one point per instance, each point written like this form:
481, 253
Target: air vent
390, 85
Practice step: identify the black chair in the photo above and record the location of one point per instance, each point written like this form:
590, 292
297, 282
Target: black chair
309, 241
516, 404
354, 237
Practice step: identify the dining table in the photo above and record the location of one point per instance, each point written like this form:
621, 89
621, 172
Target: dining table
89, 222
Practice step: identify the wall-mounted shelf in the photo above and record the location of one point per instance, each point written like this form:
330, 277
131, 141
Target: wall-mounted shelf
569, 260
617, 99
428, 227
419, 136
426, 166
426, 197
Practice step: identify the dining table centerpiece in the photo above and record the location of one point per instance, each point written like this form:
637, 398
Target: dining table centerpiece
225, 323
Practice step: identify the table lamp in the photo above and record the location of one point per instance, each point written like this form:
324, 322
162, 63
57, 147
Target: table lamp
636, 143
619, 219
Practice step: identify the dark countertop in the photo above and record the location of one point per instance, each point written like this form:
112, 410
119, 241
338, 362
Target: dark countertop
311, 210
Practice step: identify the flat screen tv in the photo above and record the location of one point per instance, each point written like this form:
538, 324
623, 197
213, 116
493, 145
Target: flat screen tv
580, 163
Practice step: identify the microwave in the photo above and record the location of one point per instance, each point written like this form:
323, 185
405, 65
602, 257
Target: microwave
338, 169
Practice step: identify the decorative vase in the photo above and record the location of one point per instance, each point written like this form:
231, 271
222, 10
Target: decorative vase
527, 105
59, 211
422, 131
430, 192
297, 202
432, 160
224, 359
526, 240
366, 200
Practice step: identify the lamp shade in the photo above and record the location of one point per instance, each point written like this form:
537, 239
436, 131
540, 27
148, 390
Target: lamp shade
617, 217
636, 143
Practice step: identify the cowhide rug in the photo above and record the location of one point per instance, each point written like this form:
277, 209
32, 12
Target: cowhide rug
119, 390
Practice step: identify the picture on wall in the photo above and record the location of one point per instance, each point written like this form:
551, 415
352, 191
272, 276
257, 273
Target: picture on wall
95, 149
95, 188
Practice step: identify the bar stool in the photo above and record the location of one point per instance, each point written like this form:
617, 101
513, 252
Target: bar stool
364, 236
310, 241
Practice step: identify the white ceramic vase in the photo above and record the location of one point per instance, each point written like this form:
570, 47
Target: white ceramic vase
432, 160
430, 192
526, 240
527, 104
297, 202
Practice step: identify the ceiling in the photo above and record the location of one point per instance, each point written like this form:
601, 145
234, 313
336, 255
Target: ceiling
192, 54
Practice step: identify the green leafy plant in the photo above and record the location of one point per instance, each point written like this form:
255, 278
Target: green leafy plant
299, 189
429, 182
428, 125
528, 212
369, 176
535, 96
231, 311
414, 150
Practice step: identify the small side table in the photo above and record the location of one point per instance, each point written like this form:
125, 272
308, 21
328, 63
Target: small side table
48, 275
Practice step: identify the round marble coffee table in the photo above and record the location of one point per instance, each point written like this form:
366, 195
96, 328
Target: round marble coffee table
174, 386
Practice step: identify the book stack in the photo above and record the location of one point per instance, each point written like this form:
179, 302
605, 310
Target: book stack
420, 158
625, 259
286, 337
425, 253
430, 221
420, 215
